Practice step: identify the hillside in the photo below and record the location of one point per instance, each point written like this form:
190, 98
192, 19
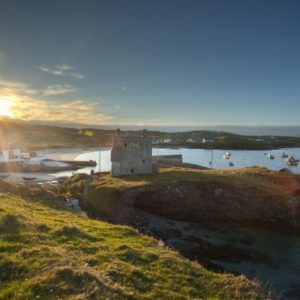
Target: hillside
48, 252
254, 195
243, 221
34, 137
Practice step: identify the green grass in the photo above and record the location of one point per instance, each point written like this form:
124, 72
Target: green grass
47, 252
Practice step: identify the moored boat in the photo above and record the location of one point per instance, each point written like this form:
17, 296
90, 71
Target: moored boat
270, 156
29, 178
292, 161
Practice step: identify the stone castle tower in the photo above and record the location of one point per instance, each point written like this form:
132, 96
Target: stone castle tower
131, 155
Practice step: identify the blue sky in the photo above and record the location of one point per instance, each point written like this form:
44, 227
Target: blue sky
151, 62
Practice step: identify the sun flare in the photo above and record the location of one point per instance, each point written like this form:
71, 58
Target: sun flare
5, 105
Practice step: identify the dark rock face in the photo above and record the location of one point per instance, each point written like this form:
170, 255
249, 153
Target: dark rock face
206, 202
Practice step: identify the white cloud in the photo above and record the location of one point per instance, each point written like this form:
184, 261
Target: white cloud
51, 71
42, 68
64, 67
117, 107
61, 70
76, 75
59, 89
124, 88
58, 72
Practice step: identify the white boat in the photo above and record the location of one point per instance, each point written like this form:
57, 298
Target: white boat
228, 154
270, 156
225, 157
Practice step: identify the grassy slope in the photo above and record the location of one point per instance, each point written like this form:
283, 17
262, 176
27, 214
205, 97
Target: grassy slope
48, 252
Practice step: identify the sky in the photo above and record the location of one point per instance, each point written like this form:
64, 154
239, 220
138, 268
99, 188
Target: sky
158, 63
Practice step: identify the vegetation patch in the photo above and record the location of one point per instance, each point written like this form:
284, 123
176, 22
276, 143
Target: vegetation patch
69, 256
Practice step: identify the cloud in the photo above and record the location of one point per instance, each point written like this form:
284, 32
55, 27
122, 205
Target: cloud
59, 90
28, 104
61, 70
62, 112
64, 67
116, 107
9, 87
51, 71
124, 88
76, 75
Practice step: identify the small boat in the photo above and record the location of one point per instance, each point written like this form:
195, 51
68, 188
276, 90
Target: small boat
292, 161
230, 164
225, 156
228, 154
284, 155
270, 156
29, 178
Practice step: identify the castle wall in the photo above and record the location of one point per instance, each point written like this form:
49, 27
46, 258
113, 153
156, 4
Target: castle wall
131, 155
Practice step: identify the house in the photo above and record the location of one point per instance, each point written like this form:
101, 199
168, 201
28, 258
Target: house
167, 140
190, 140
206, 141
131, 155
16, 155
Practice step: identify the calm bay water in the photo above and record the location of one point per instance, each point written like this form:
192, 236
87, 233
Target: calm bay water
240, 158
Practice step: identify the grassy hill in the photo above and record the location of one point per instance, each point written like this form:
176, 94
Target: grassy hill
49, 252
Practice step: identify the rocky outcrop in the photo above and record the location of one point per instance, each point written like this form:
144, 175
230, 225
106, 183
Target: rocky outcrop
195, 201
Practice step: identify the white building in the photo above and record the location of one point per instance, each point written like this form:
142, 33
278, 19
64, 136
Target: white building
16, 155
190, 140
167, 140
206, 141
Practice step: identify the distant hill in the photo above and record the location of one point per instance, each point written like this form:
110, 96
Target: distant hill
32, 136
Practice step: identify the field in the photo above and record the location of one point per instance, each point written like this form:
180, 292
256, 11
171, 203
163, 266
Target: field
48, 252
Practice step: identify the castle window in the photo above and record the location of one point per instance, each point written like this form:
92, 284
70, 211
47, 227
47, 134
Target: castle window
144, 161
125, 144
132, 170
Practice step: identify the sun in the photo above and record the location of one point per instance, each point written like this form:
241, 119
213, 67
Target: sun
5, 105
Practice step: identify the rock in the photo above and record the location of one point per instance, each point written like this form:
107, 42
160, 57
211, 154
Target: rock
285, 170
174, 233
218, 192
248, 240
192, 201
